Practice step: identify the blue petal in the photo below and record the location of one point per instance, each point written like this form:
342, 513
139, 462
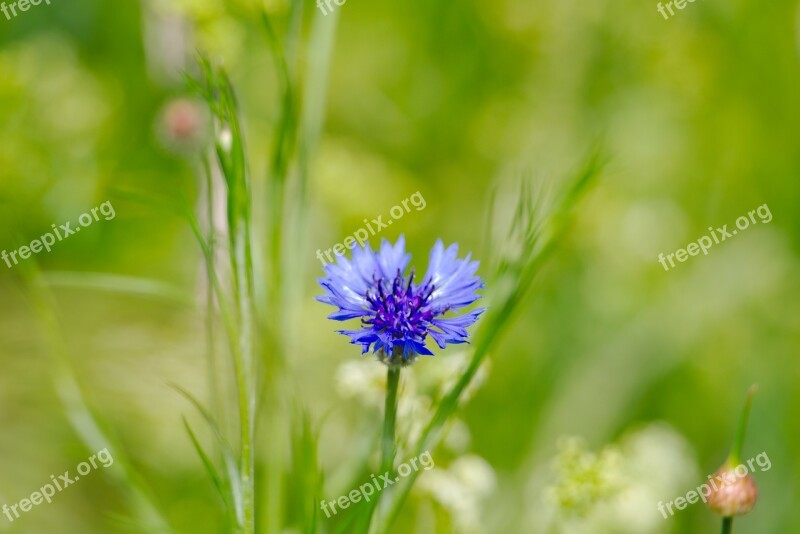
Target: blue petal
414, 347
453, 329
365, 338
453, 279
393, 259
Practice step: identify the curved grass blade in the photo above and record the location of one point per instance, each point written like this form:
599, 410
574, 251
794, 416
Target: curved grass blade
228, 458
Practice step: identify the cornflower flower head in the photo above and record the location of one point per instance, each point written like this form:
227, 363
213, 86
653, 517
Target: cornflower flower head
397, 314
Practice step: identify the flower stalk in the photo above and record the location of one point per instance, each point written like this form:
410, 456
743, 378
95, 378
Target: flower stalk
238, 310
390, 416
738, 494
727, 525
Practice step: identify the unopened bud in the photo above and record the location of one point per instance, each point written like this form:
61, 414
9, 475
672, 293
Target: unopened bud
734, 495
183, 125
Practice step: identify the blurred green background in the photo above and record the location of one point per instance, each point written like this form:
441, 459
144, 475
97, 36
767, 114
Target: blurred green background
699, 115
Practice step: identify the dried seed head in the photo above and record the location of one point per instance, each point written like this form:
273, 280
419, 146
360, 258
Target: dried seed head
735, 495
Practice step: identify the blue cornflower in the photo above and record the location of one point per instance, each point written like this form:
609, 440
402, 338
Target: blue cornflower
396, 313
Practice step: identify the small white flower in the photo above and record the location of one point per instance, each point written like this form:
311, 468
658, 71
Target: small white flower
461, 488
475, 474
457, 437
363, 381
225, 139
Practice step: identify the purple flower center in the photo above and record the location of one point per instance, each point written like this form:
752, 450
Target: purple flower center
400, 308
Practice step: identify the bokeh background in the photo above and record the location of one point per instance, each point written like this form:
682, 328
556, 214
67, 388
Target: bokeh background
617, 386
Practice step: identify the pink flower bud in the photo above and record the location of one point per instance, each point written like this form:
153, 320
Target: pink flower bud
183, 125
734, 495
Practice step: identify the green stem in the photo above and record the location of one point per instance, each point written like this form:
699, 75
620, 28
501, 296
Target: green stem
736, 450
727, 525
392, 381
244, 369
238, 327
211, 241
247, 465
388, 437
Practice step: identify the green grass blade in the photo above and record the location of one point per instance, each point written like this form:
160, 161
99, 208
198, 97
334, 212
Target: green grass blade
126, 285
207, 463
229, 460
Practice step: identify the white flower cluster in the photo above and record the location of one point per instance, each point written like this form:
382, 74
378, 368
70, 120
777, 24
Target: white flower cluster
459, 488
614, 490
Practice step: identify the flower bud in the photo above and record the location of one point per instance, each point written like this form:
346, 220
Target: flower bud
734, 495
183, 125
